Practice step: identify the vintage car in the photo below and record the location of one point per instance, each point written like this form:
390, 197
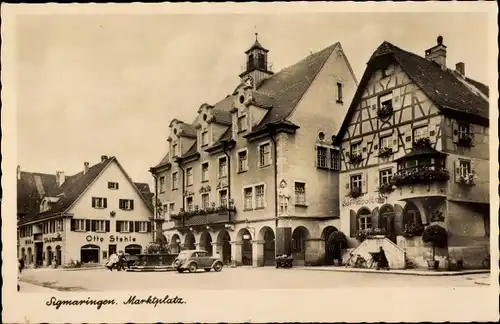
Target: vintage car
192, 260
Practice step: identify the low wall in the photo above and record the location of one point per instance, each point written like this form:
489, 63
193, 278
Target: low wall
395, 255
417, 252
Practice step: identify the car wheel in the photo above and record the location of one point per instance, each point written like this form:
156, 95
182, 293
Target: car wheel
176, 263
180, 270
193, 267
218, 267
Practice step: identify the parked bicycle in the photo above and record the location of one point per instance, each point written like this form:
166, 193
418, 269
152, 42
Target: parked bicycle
356, 261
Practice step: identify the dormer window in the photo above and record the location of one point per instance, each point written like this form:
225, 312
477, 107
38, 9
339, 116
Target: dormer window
242, 123
204, 138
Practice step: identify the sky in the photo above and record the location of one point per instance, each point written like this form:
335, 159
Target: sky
92, 85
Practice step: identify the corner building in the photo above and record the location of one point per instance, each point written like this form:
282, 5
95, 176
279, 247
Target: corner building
83, 217
424, 126
256, 173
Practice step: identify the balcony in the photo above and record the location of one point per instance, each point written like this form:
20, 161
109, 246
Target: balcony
424, 181
210, 216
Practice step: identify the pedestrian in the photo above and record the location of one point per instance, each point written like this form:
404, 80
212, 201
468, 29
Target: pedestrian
113, 259
382, 261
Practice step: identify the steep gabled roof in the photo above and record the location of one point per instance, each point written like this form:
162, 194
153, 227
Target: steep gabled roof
443, 87
31, 189
75, 186
288, 86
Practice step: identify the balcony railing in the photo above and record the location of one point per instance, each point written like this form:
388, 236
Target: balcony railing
205, 217
420, 175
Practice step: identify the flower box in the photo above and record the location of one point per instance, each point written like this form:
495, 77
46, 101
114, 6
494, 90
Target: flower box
465, 141
355, 192
370, 233
385, 188
422, 142
384, 112
385, 152
413, 230
468, 180
420, 176
355, 158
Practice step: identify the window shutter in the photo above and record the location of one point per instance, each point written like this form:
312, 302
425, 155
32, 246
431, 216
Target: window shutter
131, 204
364, 182
73, 225
149, 227
354, 223
472, 167
93, 202
398, 221
348, 183
120, 203
130, 226
118, 227
375, 218
432, 130
395, 141
457, 170
137, 227
376, 181
87, 225
396, 100
107, 226
454, 130
316, 152
93, 225
105, 202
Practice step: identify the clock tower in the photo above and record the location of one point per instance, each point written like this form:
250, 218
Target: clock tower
257, 68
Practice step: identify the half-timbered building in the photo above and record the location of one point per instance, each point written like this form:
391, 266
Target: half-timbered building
414, 152
253, 174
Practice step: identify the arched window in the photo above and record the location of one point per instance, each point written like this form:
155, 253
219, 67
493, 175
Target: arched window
411, 215
261, 61
364, 219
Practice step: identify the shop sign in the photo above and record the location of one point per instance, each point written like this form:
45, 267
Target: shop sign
52, 239
112, 238
362, 201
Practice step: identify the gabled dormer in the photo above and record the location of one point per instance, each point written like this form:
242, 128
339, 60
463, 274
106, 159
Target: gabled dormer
257, 67
249, 108
210, 125
182, 137
47, 202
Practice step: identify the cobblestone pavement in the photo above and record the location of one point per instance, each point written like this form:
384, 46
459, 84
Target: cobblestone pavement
236, 278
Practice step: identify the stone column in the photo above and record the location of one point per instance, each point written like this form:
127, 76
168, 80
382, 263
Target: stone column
236, 247
198, 246
217, 249
258, 253
315, 251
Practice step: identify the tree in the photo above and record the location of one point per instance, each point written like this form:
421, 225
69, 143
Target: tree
437, 236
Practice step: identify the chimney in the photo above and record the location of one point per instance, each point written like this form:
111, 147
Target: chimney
60, 178
85, 167
437, 53
18, 172
460, 68
104, 158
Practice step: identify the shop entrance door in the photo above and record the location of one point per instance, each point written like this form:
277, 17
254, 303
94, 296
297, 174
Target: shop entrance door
39, 253
111, 249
